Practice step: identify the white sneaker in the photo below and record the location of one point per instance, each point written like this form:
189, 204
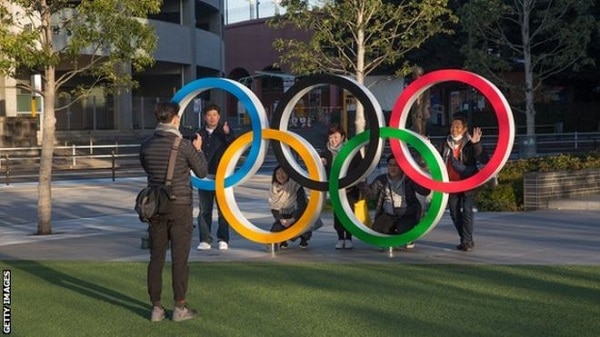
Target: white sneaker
223, 245
409, 246
348, 244
204, 246
339, 244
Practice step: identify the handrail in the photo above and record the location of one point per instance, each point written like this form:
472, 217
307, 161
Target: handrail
551, 143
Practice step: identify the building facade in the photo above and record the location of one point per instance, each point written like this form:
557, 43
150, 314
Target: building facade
190, 46
251, 59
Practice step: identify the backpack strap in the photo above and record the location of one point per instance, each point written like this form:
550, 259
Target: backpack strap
172, 157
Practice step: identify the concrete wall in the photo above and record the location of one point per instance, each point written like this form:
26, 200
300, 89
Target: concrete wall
541, 187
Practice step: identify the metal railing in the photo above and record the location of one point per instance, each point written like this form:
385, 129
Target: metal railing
15, 161
545, 144
19, 161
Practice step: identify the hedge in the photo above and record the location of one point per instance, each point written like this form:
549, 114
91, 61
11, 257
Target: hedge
508, 194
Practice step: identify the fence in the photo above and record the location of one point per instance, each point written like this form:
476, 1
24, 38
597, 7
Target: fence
14, 161
545, 144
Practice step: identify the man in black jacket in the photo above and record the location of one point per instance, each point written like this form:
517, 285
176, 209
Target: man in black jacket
176, 224
461, 153
215, 139
398, 210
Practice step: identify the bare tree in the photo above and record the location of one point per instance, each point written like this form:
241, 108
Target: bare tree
545, 37
355, 37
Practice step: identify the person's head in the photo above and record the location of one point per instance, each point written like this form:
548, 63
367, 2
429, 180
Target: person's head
394, 170
279, 175
167, 113
458, 128
212, 116
335, 135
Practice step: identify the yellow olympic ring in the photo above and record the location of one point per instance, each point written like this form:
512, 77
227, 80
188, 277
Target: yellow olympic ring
226, 198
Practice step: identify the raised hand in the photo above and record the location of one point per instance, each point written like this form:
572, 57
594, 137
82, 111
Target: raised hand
476, 136
226, 128
198, 142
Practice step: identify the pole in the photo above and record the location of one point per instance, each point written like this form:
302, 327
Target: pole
7, 170
74, 154
113, 165
344, 116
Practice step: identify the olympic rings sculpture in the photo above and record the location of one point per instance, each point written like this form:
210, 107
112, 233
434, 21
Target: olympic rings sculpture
314, 177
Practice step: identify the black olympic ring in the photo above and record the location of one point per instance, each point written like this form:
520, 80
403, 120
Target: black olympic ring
373, 114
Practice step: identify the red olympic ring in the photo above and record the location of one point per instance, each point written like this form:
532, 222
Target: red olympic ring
506, 129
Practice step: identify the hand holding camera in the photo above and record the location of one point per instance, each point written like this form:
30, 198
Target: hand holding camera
197, 142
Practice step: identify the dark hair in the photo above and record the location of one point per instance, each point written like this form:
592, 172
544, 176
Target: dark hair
274, 177
212, 107
165, 111
460, 118
336, 128
390, 157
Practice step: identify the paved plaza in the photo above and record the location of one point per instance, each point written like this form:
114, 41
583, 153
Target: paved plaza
94, 220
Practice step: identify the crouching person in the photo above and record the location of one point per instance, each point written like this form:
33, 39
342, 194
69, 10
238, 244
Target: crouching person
398, 210
288, 201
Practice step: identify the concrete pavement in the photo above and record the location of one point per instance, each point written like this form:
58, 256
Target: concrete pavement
94, 220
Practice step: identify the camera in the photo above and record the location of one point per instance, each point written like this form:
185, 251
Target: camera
188, 133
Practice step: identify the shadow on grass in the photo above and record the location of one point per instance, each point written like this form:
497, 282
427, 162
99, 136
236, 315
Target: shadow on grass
83, 287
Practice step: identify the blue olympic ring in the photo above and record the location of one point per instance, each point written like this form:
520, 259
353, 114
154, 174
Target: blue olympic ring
258, 121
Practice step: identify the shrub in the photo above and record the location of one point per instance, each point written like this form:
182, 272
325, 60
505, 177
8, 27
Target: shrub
508, 194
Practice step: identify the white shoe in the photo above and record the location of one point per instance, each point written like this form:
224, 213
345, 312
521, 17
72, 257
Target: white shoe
204, 246
339, 244
223, 245
409, 246
348, 244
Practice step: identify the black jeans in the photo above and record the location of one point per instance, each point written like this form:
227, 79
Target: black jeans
342, 232
461, 211
176, 227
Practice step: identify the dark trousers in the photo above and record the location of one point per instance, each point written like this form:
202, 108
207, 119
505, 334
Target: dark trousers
278, 227
176, 227
207, 200
461, 211
341, 231
390, 224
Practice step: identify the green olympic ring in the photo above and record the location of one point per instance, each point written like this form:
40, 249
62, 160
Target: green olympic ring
342, 208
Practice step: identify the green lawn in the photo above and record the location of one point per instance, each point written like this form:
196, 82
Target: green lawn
271, 299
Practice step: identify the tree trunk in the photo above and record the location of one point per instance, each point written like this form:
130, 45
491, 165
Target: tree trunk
45, 178
529, 144
359, 120
528, 70
48, 125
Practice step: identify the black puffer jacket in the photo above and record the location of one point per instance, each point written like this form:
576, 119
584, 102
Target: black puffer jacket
154, 156
214, 145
